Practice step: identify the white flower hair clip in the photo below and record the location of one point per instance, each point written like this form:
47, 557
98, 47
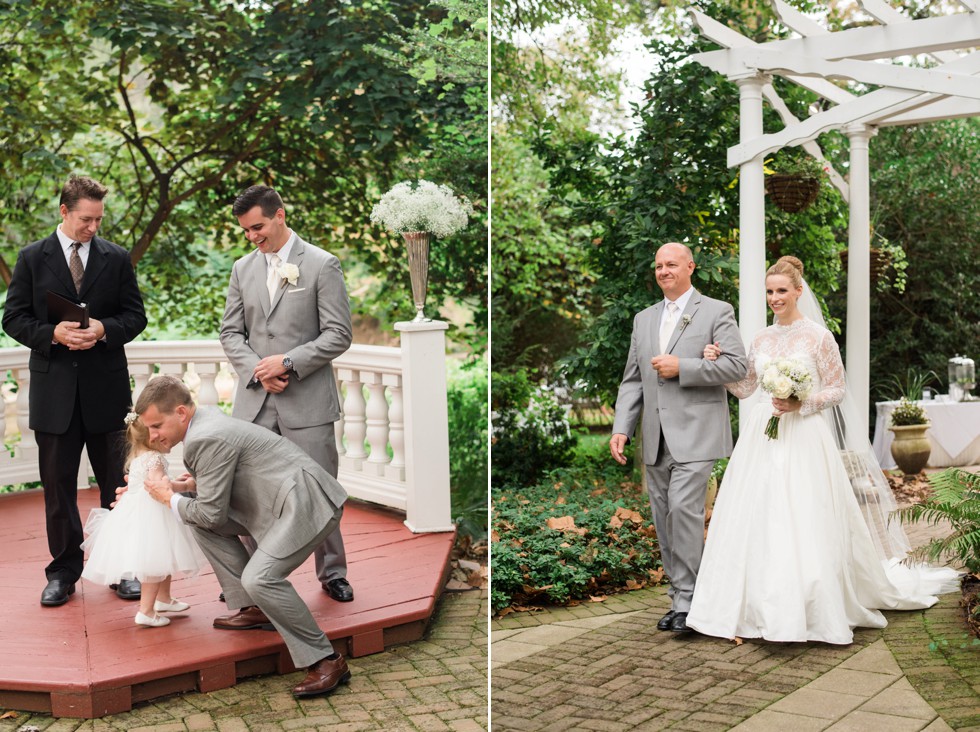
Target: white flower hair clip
130, 418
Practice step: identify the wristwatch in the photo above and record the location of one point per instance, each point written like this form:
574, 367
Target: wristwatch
287, 363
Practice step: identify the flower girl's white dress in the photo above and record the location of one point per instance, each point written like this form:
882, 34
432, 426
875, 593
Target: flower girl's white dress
789, 556
140, 538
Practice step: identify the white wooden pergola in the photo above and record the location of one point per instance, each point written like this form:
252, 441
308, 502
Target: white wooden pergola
858, 57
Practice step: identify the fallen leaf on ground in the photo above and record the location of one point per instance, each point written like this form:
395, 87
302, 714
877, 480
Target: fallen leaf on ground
595, 598
8, 715
564, 523
625, 514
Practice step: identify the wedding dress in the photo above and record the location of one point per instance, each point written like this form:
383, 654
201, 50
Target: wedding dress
140, 538
789, 553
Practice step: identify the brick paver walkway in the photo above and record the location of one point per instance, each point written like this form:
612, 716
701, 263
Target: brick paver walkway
438, 683
605, 666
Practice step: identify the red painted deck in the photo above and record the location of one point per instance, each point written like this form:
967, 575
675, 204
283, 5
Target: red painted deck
88, 658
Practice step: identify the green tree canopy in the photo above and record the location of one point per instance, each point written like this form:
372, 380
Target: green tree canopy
179, 105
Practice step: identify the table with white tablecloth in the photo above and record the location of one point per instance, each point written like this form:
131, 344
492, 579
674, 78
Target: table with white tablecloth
954, 433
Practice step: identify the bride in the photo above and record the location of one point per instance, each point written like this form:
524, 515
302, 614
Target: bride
800, 546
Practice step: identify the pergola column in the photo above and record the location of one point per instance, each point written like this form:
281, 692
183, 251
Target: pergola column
858, 341
751, 217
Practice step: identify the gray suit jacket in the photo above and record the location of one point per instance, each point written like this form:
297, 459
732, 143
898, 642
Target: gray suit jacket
251, 481
691, 409
309, 320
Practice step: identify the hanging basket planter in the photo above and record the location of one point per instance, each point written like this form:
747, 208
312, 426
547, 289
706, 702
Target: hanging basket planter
792, 193
880, 261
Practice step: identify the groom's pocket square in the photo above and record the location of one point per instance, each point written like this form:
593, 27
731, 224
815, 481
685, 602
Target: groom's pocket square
298, 289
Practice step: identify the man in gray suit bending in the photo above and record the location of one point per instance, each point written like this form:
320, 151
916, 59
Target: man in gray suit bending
250, 482
685, 414
286, 319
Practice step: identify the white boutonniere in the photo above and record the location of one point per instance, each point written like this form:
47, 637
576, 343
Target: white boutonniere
685, 320
289, 273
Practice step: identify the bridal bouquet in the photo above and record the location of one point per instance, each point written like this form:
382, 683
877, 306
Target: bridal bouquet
784, 378
422, 206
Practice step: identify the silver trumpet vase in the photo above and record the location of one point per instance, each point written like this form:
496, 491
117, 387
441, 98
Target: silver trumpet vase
418, 269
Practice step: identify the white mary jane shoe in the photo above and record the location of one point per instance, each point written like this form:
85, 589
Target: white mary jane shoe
174, 606
157, 621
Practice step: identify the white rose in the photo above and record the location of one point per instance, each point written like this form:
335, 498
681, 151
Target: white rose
289, 272
782, 387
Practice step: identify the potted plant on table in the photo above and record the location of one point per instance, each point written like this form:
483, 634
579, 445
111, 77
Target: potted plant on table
911, 447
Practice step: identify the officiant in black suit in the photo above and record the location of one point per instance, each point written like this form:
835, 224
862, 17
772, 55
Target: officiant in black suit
79, 389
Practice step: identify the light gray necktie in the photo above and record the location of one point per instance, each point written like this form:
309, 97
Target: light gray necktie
667, 327
75, 266
272, 279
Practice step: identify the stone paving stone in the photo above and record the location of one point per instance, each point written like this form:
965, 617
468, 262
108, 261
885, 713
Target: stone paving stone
849, 681
901, 700
938, 726
772, 721
816, 703
870, 722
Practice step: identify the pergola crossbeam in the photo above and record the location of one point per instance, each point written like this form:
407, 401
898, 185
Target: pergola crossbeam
865, 110
940, 81
868, 43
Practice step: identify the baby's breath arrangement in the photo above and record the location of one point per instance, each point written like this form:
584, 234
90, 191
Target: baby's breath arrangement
422, 206
908, 413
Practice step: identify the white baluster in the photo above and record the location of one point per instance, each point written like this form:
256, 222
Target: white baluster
141, 374
207, 393
355, 427
338, 426
28, 445
395, 470
377, 421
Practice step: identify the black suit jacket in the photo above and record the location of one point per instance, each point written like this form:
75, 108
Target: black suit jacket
100, 374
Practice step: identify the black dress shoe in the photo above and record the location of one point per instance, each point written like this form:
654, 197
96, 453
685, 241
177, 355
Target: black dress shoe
340, 590
678, 623
57, 593
664, 622
127, 589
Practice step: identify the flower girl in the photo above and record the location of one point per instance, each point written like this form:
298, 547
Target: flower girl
140, 538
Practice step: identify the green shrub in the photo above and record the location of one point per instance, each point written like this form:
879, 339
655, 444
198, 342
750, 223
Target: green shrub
467, 394
956, 499
531, 434
607, 543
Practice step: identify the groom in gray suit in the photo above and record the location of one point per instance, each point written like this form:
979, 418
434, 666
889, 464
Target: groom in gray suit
250, 482
286, 319
685, 414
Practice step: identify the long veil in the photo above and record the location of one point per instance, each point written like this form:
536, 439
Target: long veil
871, 488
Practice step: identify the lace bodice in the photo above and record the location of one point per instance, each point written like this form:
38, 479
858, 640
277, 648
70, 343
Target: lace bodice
811, 344
140, 467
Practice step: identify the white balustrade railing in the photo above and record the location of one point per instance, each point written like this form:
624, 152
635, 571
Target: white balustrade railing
393, 446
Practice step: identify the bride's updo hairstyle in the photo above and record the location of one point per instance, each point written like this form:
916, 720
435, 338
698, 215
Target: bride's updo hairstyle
790, 267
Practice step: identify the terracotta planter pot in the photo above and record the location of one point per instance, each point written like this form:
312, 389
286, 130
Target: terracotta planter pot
911, 447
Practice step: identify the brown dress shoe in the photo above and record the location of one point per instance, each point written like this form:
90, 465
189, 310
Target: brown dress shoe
324, 676
248, 618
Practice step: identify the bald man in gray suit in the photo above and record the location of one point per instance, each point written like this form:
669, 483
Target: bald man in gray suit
684, 404
251, 482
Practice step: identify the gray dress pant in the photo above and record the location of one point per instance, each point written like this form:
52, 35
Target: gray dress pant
677, 494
